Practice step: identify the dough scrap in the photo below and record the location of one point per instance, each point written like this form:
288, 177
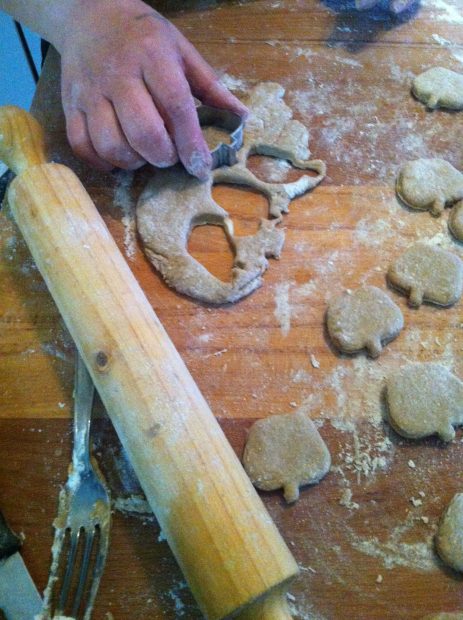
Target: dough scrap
456, 221
439, 87
449, 537
424, 399
426, 272
363, 319
285, 451
173, 203
429, 185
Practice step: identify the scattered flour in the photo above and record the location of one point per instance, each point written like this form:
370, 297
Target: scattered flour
234, 83
133, 505
446, 11
282, 307
123, 199
395, 552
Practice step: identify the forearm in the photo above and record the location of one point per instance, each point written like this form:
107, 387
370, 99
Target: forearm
47, 18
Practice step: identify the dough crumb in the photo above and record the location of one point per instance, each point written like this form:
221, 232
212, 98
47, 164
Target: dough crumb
411, 464
425, 520
313, 360
346, 500
379, 579
416, 502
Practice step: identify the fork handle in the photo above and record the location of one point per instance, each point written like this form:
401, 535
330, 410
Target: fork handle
84, 392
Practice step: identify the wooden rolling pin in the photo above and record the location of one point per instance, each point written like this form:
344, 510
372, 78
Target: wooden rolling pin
225, 542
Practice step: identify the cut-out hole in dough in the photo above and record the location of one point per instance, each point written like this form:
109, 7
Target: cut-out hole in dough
273, 170
246, 207
209, 245
215, 136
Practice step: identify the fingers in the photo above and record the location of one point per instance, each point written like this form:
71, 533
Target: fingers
107, 137
79, 139
205, 85
143, 125
172, 95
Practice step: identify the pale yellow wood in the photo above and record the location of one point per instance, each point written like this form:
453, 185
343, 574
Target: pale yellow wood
272, 607
21, 139
224, 540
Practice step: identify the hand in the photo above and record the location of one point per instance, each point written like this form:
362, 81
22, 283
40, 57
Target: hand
396, 6
128, 80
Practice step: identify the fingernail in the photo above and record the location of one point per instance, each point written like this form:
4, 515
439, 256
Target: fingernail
199, 164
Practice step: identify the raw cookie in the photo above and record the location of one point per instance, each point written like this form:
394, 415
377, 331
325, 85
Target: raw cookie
429, 185
439, 87
456, 221
423, 399
449, 537
363, 319
285, 451
426, 272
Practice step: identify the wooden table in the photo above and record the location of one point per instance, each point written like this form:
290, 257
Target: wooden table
364, 547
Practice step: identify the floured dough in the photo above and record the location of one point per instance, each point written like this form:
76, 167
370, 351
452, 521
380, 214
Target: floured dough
424, 399
429, 184
285, 451
439, 87
449, 537
456, 221
426, 272
363, 319
174, 202
169, 208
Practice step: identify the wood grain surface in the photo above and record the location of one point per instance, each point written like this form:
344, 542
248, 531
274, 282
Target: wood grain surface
364, 549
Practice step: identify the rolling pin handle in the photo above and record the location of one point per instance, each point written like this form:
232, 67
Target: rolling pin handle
22, 142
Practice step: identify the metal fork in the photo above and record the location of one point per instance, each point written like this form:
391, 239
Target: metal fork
82, 526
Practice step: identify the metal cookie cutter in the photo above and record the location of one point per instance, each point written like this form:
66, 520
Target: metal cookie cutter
223, 154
